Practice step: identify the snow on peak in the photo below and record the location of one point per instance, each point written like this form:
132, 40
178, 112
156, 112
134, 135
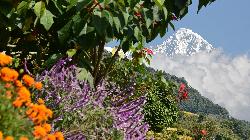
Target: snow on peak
183, 42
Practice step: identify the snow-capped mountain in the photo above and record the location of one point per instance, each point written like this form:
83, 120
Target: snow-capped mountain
183, 42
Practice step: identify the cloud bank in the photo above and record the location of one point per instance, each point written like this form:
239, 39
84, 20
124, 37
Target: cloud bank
224, 80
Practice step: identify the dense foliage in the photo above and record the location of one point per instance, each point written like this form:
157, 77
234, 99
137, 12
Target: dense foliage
160, 109
54, 26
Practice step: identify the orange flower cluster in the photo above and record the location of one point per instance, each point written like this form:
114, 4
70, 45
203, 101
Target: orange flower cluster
11, 138
5, 59
23, 97
29, 81
38, 113
8, 75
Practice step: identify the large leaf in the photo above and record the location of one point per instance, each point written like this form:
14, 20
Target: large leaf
39, 9
47, 19
160, 3
83, 74
64, 33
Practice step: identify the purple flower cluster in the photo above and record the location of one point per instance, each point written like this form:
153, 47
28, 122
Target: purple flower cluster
128, 114
63, 88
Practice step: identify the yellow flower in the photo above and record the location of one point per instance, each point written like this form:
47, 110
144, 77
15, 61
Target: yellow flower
5, 59
28, 80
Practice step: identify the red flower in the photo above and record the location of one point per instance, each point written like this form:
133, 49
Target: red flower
182, 93
203, 132
138, 14
149, 51
185, 95
182, 87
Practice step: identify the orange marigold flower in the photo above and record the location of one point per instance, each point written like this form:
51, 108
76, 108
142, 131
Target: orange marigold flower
28, 80
23, 97
47, 127
59, 136
1, 135
9, 138
39, 132
40, 101
23, 138
18, 83
17, 103
38, 85
51, 137
39, 113
5, 59
8, 75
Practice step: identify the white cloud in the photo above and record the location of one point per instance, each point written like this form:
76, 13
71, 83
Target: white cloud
223, 79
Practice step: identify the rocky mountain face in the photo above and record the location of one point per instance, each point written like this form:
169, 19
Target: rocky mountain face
183, 42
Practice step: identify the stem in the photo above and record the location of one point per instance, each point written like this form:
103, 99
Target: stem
111, 62
97, 72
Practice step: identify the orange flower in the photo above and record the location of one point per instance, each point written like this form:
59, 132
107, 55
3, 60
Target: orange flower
40, 101
28, 80
38, 85
18, 83
39, 132
59, 136
47, 127
51, 137
1, 135
9, 138
5, 59
17, 103
23, 138
23, 97
8, 75
39, 113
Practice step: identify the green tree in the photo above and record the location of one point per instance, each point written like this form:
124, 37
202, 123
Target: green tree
55, 26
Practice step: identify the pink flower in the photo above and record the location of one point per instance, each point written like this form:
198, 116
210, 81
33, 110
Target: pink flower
203, 132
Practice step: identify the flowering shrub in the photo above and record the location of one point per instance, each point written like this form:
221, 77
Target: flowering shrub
182, 92
160, 109
85, 113
19, 117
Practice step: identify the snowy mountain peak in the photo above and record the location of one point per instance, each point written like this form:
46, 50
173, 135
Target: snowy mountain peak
183, 42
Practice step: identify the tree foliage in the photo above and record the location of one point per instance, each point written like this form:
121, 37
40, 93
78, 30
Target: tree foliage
54, 26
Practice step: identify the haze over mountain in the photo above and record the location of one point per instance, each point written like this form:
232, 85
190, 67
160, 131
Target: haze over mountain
223, 79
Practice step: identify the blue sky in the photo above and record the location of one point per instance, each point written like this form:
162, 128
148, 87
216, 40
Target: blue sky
224, 24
